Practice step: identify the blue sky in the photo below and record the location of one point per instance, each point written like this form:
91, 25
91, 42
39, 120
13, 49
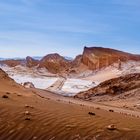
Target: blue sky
39, 27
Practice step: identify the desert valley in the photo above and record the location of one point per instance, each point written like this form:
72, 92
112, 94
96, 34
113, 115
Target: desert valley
92, 97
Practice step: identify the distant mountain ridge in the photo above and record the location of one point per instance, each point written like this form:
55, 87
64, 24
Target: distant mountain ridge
34, 57
92, 58
14, 58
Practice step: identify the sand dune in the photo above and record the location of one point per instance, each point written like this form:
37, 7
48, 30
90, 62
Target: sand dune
52, 119
59, 121
26, 114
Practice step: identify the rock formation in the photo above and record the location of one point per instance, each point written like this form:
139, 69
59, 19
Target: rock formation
98, 57
77, 61
93, 58
113, 87
3, 75
30, 62
28, 85
54, 63
12, 62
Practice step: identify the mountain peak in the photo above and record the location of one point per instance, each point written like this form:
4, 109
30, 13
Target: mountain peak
99, 57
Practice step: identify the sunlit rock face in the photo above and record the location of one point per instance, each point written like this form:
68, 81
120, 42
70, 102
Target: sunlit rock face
54, 63
86, 71
93, 58
98, 57
77, 61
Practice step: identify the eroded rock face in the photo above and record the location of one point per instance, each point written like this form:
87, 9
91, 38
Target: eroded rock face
114, 86
30, 62
98, 57
77, 61
93, 58
54, 63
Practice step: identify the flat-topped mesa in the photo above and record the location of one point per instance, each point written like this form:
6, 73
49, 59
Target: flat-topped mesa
55, 63
99, 57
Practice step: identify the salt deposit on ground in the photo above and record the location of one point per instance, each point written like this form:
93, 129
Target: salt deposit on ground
77, 85
23, 74
113, 71
42, 79
41, 83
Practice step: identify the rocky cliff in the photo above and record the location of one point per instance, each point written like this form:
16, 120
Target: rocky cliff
113, 87
98, 57
93, 58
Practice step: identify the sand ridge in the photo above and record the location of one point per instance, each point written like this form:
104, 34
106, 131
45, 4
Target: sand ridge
29, 114
51, 118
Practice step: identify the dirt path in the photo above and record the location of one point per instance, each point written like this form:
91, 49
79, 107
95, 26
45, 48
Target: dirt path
57, 85
71, 100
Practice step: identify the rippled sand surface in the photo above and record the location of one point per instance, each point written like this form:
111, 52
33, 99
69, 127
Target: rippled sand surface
53, 120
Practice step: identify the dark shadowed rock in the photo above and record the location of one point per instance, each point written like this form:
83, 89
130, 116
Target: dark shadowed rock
28, 85
5, 96
113, 87
91, 113
28, 119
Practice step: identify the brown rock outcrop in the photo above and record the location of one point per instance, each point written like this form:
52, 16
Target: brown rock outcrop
12, 62
77, 61
93, 58
3, 75
114, 86
54, 63
28, 85
30, 62
98, 57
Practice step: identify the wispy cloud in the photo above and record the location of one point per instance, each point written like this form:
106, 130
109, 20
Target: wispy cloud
66, 26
